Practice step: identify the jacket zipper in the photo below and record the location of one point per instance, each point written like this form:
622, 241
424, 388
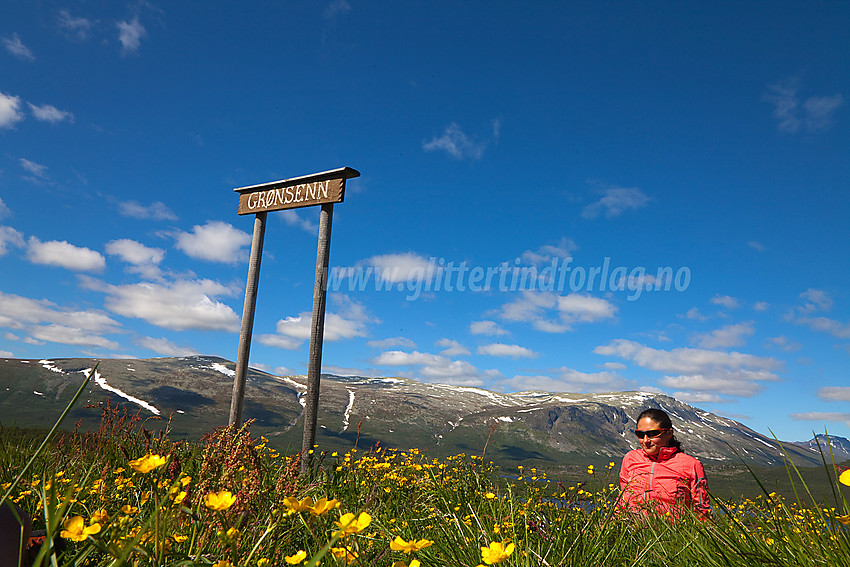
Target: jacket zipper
651, 474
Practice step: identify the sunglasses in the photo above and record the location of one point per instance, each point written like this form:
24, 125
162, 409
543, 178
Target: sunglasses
652, 433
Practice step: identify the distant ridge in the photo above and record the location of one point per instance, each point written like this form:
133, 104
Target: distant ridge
550, 428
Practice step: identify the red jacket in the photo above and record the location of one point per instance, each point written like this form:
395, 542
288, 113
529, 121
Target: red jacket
667, 482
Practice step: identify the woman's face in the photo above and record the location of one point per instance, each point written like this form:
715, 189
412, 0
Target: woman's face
651, 445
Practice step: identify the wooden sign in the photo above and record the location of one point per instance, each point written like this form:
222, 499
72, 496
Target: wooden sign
325, 189
305, 191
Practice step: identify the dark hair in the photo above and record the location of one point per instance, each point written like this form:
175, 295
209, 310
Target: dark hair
660, 416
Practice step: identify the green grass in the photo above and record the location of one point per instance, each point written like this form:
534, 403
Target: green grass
460, 503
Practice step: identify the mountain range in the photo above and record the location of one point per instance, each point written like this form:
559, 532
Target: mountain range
192, 394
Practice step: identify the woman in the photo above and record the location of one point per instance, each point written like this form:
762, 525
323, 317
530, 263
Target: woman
659, 476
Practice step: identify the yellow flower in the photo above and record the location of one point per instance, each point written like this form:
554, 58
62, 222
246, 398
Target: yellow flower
496, 553
297, 558
262, 562
323, 505
127, 509
223, 563
219, 500
399, 544
344, 554
294, 505
350, 525
590, 469
845, 477
147, 463
99, 517
844, 519
413, 563
489, 495
76, 530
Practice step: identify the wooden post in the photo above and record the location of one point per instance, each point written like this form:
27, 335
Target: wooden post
247, 319
314, 365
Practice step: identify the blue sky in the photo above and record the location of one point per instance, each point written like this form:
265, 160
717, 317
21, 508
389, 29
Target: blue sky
707, 140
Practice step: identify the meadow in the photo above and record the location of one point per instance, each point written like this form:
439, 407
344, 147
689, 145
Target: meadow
126, 494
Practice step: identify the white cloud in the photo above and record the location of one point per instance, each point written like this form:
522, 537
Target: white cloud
728, 336
820, 111
504, 350
435, 368
165, 347
816, 300
69, 335
75, 28
784, 343
685, 360
336, 7
577, 307
834, 327
458, 145
280, 341
9, 237
49, 113
64, 255
700, 398
215, 241
532, 307
179, 305
730, 373
4, 210
130, 35
835, 393
393, 268
10, 110
761, 306
816, 114
134, 252
45, 321
694, 313
284, 371
725, 301
783, 96
16, 47
17, 311
452, 348
155, 211
486, 328
291, 217
755, 245
351, 321
402, 358
392, 342
822, 416
563, 250
7, 354
616, 201
37, 169
569, 380
613, 366
740, 382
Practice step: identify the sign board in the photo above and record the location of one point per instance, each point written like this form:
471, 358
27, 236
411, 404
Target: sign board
305, 191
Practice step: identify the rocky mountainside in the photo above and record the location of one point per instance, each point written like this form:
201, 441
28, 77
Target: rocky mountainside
839, 446
540, 428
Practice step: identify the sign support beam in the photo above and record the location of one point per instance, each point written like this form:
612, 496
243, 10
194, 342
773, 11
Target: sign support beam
325, 189
247, 319
314, 364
